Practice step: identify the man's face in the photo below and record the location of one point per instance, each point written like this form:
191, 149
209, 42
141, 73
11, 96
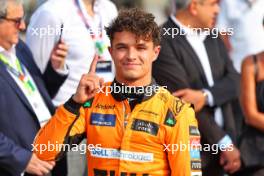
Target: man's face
207, 11
133, 57
11, 25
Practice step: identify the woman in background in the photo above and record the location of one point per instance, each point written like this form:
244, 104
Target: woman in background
252, 102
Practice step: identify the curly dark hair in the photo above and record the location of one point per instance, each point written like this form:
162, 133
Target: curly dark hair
136, 21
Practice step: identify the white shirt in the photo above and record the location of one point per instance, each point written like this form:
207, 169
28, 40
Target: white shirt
35, 99
197, 42
50, 16
246, 21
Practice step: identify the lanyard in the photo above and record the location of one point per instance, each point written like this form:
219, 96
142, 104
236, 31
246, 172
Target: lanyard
19, 72
98, 41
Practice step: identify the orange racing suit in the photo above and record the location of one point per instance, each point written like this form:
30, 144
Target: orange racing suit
141, 142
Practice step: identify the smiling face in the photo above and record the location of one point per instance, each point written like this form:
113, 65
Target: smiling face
133, 57
9, 29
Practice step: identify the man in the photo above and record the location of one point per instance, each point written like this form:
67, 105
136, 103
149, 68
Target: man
75, 21
195, 66
80, 23
25, 103
131, 132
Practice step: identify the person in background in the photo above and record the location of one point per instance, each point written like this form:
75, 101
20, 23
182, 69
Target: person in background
195, 66
240, 24
25, 103
80, 23
244, 19
252, 102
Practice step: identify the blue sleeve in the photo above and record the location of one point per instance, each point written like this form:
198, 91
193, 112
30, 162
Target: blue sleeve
13, 157
225, 141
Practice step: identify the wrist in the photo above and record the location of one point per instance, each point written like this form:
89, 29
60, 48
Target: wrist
72, 105
76, 99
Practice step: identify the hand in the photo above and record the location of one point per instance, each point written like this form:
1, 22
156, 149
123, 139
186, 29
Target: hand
89, 84
230, 160
58, 55
39, 167
195, 97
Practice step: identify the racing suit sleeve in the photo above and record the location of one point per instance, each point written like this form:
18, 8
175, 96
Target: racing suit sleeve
65, 128
183, 142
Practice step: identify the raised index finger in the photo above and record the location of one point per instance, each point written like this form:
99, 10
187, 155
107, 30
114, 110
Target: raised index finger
93, 64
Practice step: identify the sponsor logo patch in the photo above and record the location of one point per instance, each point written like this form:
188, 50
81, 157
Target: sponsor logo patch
149, 112
103, 119
195, 154
145, 126
103, 66
170, 119
122, 155
104, 106
99, 172
196, 173
177, 105
196, 165
193, 130
195, 141
88, 103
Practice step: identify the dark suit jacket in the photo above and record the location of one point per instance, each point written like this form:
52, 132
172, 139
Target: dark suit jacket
18, 121
179, 67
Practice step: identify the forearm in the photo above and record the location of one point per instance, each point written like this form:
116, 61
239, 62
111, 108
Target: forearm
210, 131
56, 131
256, 120
53, 80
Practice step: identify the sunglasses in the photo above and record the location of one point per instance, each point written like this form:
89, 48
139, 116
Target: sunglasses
16, 21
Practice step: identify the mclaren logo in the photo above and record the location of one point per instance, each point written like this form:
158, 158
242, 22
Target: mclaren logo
104, 106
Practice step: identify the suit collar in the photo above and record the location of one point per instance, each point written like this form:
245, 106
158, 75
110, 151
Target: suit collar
9, 54
189, 32
11, 50
187, 47
9, 80
181, 26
